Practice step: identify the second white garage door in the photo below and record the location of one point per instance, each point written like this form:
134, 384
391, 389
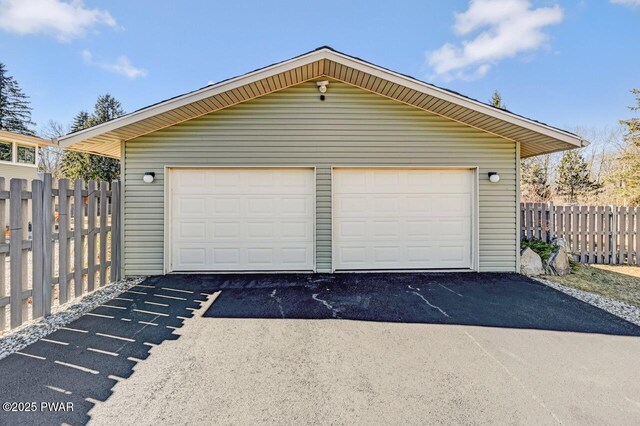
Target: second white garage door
402, 219
242, 219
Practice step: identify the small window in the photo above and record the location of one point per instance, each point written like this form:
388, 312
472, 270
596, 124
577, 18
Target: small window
6, 151
26, 154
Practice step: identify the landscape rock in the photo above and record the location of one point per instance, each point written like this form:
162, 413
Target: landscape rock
561, 243
530, 263
558, 263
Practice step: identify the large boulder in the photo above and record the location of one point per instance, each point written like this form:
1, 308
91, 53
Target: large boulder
561, 242
558, 263
530, 263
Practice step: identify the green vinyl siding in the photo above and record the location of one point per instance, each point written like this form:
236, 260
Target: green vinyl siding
293, 127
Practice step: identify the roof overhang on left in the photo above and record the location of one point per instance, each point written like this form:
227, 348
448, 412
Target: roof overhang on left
31, 140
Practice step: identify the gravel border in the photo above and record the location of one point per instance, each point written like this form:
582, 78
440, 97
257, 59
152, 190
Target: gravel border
62, 315
623, 310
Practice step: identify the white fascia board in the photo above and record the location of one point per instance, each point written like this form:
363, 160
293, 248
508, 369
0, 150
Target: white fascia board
189, 98
454, 98
311, 57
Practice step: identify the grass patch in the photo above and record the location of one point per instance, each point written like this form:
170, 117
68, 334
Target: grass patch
621, 283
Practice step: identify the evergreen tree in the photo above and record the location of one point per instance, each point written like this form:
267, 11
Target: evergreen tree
574, 178
534, 182
496, 100
15, 108
107, 108
82, 165
627, 176
80, 121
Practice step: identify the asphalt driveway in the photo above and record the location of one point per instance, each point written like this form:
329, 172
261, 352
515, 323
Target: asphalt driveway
341, 349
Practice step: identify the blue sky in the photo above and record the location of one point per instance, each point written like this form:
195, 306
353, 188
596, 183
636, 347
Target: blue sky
566, 63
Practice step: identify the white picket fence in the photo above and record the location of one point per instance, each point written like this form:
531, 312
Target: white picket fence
594, 234
73, 246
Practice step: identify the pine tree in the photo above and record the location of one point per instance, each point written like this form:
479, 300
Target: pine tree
15, 108
534, 182
107, 108
574, 178
627, 176
496, 100
82, 165
80, 121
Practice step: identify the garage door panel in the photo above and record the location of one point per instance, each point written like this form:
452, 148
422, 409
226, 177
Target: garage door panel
295, 206
191, 206
402, 218
222, 205
386, 229
226, 230
242, 219
194, 230
259, 206
195, 256
292, 230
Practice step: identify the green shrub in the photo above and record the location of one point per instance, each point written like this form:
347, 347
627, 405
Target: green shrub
543, 249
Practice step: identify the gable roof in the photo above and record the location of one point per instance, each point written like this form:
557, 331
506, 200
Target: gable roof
535, 138
20, 138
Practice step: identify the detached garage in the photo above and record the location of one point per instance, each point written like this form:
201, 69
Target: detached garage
321, 163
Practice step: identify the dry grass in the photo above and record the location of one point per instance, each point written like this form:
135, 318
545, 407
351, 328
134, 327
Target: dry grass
633, 271
616, 282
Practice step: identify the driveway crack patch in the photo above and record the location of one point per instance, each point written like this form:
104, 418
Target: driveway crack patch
428, 303
452, 291
278, 301
327, 305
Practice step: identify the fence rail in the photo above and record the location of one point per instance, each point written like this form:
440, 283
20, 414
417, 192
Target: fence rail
594, 234
74, 241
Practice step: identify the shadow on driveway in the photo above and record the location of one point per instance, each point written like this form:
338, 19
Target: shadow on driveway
485, 299
82, 362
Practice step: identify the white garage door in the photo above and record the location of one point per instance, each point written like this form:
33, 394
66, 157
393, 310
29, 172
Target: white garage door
402, 219
242, 219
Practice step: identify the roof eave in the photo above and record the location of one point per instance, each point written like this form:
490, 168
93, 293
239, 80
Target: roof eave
310, 57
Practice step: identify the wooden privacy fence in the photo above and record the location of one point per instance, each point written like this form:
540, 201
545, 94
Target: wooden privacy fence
594, 234
74, 240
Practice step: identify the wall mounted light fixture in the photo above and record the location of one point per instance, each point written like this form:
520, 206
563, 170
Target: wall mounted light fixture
322, 86
148, 177
494, 177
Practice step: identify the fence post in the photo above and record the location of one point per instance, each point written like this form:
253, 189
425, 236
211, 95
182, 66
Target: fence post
115, 231
17, 228
593, 234
614, 235
3, 265
103, 233
551, 222
37, 246
78, 247
63, 241
47, 248
637, 236
622, 225
91, 235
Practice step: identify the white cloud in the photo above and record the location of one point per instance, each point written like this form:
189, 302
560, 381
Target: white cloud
122, 65
493, 30
632, 3
65, 20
